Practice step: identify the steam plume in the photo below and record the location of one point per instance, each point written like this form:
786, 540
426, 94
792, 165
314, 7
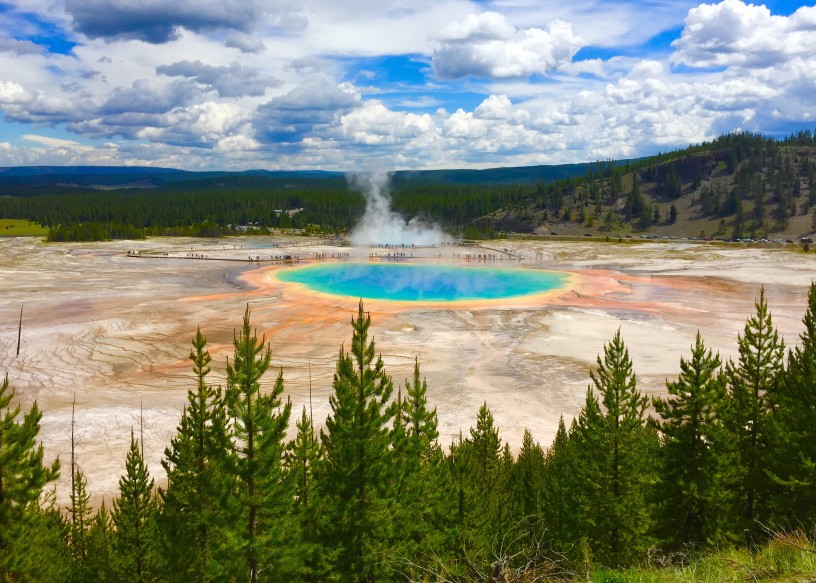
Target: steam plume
380, 225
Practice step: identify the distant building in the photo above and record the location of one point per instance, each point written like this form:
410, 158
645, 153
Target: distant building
291, 212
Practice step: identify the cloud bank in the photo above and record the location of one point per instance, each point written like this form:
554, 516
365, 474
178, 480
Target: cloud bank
158, 21
448, 83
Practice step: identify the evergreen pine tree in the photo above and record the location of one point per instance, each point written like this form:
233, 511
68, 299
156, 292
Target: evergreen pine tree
526, 485
102, 561
528, 476
24, 524
794, 460
303, 454
355, 472
401, 457
194, 518
485, 495
558, 503
692, 487
460, 504
403, 468
133, 515
614, 452
753, 384
80, 524
79, 510
259, 423
419, 507
514, 530
43, 536
421, 423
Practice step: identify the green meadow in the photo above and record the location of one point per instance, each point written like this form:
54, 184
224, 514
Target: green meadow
21, 228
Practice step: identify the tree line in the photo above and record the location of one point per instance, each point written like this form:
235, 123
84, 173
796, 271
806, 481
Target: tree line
724, 458
328, 205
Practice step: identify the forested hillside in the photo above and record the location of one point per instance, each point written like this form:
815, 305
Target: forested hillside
738, 186
724, 465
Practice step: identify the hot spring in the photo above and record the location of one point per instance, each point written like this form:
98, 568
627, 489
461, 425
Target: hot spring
423, 282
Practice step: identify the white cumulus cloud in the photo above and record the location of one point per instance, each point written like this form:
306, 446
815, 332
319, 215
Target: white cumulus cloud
735, 34
376, 124
486, 45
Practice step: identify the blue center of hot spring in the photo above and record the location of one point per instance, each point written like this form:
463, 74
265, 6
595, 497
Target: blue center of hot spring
429, 283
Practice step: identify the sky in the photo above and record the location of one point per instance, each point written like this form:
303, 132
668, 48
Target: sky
373, 85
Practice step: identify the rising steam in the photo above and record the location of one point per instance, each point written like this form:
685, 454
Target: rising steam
380, 225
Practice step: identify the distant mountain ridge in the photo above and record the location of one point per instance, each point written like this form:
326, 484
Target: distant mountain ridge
150, 177
130, 177
79, 170
503, 175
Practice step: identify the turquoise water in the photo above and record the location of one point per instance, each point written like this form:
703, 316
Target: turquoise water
427, 283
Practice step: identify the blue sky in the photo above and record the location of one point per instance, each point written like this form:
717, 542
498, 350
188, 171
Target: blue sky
392, 84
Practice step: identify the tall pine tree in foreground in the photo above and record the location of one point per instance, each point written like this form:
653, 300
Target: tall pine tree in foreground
192, 526
614, 461
259, 422
794, 466
80, 513
355, 473
692, 490
525, 546
421, 423
527, 480
753, 383
101, 564
81, 520
417, 501
459, 502
486, 514
134, 513
29, 534
558, 502
303, 454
